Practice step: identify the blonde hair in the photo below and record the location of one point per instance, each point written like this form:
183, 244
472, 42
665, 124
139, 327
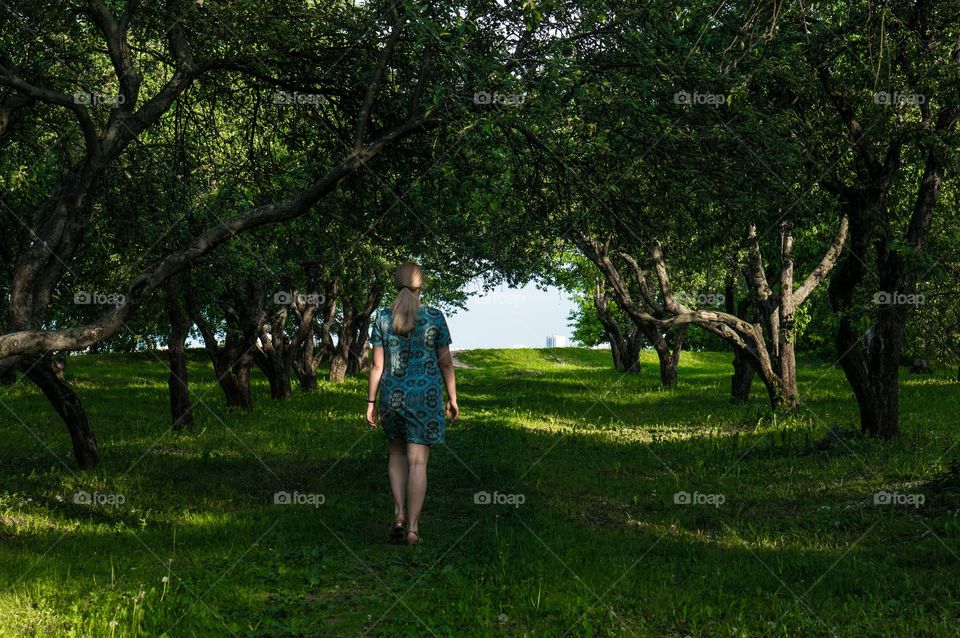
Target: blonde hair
407, 304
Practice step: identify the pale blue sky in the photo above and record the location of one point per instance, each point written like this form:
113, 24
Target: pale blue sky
508, 317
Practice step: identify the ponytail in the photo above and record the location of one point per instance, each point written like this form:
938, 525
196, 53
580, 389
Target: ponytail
405, 309
406, 306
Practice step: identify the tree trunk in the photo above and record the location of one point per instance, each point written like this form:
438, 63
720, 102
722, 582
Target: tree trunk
668, 369
304, 356
358, 360
324, 328
304, 364
234, 380
353, 335
786, 309
762, 365
741, 381
269, 343
43, 371
238, 392
630, 353
306, 376
668, 357
775, 392
874, 381
325, 332
616, 354
879, 405
873, 371
625, 350
775, 364
280, 384
274, 367
788, 369
231, 363
338, 366
878, 399
340, 361
181, 411
341, 353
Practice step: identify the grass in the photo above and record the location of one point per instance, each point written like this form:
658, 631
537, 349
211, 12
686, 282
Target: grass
598, 546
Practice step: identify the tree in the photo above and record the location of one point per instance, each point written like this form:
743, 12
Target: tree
595, 320
57, 235
883, 158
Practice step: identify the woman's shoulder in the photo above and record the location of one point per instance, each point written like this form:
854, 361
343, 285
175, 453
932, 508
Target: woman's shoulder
430, 311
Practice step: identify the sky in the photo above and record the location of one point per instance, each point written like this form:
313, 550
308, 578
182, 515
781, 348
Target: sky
507, 317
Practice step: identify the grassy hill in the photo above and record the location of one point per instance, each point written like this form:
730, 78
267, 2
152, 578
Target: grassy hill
784, 534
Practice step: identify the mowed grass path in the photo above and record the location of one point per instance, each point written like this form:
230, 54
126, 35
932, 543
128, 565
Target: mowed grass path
598, 546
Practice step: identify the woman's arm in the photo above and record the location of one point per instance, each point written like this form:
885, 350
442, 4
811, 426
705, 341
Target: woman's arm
445, 359
376, 371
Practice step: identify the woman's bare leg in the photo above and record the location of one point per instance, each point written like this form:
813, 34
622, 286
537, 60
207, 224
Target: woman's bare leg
397, 468
417, 456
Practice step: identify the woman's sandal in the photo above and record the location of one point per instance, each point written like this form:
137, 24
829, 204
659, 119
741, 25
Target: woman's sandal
416, 542
396, 530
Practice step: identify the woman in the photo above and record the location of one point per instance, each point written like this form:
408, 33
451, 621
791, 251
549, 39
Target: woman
411, 356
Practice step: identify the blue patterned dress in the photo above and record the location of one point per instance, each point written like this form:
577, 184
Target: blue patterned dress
411, 389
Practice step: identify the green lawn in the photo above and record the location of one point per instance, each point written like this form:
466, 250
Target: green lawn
598, 546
